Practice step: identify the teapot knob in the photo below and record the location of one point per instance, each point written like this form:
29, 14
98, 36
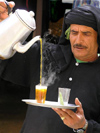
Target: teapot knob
32, 14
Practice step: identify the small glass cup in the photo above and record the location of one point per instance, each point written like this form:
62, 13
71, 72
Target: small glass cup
40, 93
63, 95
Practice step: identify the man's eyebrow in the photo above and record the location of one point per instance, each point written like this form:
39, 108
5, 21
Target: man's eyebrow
82, 31
73, 30
86, 31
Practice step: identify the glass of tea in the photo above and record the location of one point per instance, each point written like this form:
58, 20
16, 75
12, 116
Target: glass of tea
40, 93
63, 95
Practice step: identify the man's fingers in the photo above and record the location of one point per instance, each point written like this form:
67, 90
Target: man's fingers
3, 5
79, 109
57, 111
62, 113
69, 112
11, 4
4, 9
77, 102
3, 16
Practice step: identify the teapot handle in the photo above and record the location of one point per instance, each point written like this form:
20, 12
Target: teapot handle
9, 8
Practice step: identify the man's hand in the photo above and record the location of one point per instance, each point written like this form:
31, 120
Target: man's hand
72, 119
4, 10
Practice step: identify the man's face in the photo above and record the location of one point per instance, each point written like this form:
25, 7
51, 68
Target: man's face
83, 41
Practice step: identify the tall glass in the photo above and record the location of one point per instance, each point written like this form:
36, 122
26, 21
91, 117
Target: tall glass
40, 93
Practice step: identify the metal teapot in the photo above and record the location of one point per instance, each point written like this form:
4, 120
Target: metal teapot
14, 30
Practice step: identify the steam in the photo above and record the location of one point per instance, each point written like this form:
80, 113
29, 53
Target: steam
48, 77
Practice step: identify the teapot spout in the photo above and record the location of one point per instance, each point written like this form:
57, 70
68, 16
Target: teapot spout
23, 48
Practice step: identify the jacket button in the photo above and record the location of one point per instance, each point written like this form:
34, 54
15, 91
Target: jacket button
76, 64
70, 79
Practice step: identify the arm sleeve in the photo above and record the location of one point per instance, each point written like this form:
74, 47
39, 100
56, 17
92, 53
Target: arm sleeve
21, 69
93, 126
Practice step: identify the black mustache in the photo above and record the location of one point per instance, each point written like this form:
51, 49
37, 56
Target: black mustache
79, 46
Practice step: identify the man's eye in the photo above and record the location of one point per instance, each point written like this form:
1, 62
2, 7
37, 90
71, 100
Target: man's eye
87, 34
74, 33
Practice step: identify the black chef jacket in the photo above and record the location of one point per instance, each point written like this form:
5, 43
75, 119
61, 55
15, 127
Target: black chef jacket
24, 69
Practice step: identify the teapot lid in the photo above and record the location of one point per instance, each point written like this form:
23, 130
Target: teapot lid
27, 18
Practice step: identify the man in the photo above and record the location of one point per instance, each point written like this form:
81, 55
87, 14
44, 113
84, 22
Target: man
76, 66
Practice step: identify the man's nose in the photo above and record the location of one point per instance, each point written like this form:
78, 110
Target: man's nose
79, 39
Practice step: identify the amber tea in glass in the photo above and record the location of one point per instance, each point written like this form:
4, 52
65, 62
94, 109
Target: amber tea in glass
40, 93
